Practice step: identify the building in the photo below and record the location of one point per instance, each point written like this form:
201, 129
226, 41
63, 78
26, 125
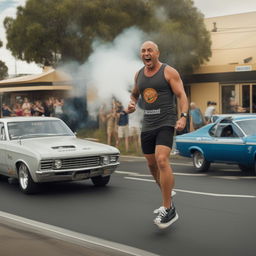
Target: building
51, 82
230, 74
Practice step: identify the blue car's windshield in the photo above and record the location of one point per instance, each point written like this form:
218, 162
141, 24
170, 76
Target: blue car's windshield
38, 128
248, 126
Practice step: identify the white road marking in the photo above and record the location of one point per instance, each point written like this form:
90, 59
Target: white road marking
149, 175
67, 235
196, 192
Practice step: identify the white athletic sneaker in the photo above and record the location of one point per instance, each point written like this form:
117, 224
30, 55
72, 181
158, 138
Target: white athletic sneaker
166, 217
156, 211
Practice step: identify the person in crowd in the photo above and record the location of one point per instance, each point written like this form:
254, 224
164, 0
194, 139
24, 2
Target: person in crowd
158, 84
122, 126
102, 117
18, 111
48, 107
111, 119
196, 117
26, 107
6, 110
38, 109
58, 108
210, 111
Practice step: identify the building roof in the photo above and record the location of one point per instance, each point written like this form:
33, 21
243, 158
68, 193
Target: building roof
50, 79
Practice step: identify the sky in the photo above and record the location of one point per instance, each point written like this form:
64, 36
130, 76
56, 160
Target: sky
210, 8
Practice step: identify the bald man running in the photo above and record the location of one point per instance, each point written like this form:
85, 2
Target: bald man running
158, 84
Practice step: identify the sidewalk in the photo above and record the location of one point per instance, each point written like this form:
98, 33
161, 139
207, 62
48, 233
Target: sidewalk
23, 237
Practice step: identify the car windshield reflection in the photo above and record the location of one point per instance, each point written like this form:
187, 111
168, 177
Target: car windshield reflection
34, 129
248, 126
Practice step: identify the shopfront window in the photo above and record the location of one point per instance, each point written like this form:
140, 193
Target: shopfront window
254, 98
228, 96
246, 98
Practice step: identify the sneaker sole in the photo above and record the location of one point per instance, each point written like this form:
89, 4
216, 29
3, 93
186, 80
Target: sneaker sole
166, 225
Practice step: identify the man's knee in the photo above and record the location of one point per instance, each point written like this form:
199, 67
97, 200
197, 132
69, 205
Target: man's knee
162, 161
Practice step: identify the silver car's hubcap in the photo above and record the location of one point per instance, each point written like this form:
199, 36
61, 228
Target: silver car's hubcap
199, 159
23, 176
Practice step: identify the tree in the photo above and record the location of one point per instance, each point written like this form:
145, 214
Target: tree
3, 67
50, 31
181, 34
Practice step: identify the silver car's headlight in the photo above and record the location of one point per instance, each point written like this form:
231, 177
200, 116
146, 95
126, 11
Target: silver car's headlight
113, 158
105, 160
57, 164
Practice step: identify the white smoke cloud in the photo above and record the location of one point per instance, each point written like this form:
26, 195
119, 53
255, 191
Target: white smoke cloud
110, 70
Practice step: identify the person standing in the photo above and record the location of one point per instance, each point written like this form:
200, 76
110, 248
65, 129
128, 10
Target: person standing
196, 117
122, 126
210, 111
158, 84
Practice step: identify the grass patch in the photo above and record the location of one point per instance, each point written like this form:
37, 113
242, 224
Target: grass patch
101, 136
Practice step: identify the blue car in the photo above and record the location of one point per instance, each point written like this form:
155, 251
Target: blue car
231, 139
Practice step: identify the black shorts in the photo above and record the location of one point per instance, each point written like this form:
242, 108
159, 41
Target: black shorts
160, 136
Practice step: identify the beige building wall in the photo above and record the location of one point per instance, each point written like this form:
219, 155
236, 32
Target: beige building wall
201, 93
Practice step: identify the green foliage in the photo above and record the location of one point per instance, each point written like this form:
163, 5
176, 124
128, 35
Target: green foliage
51, 31
3, 67
182, 37
3, 70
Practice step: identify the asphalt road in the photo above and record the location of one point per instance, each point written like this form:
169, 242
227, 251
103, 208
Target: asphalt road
216, 209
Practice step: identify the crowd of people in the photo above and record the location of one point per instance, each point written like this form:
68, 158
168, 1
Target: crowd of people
24, 107
121, 127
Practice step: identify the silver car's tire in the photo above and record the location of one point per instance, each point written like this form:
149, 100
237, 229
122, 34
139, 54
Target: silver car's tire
100, 181
199, 161
27, 185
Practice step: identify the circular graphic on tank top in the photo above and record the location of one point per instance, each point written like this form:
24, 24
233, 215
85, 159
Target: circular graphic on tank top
150, 95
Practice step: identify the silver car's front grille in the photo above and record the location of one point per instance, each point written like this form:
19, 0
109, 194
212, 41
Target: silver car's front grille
71, 163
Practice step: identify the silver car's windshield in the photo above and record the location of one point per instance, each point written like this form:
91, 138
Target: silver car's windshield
38, 128
248, 126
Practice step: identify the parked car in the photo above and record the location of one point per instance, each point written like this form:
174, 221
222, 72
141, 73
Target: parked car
231, 139
43, 149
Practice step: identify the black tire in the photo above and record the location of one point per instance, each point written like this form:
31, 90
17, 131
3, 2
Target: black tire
245, 168
199, 162
100, 181
26, 183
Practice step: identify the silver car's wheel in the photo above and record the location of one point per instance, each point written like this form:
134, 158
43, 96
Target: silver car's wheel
100, 181
199, 161
26, 183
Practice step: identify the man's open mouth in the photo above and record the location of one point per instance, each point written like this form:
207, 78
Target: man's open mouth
147, 59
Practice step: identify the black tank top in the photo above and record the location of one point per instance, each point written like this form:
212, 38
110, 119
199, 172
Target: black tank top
158, 100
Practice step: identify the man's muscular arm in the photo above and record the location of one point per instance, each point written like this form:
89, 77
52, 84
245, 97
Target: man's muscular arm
175, 82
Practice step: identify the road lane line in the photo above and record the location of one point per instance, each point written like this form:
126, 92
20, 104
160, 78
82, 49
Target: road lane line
67, 235
133, 174
196, 192
136, 174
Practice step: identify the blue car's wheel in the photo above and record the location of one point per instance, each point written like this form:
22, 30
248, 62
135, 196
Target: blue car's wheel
199, 161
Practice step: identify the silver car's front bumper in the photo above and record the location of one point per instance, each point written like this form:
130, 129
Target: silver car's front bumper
76, 174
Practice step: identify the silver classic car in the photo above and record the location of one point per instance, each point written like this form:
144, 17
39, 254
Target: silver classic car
44, 149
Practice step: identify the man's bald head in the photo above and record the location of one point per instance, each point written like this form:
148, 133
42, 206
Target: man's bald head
151, 44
